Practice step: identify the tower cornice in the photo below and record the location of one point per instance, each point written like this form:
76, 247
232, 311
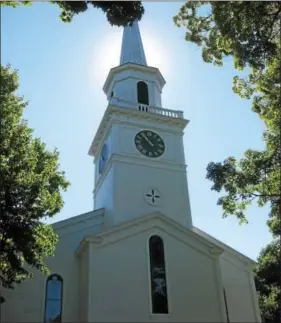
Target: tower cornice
132, 67
160, 116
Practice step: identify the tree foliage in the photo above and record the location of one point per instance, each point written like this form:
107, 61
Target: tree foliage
247, 31
267, 279
119, 13
30, 186
250, 33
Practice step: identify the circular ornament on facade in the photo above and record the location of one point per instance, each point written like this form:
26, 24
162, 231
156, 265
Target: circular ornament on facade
153, 197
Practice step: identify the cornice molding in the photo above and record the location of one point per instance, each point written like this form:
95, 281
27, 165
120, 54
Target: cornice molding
73, 221
159, 220
113, 110
136, 67
230, 252
85, 243
216, 251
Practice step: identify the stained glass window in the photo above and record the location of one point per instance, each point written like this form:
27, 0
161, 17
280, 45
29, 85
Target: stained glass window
158, 276
53, 301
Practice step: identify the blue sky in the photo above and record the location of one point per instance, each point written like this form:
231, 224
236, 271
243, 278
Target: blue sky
62, 69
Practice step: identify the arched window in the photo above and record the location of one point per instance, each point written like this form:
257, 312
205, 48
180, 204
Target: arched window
158, 276
53, 300
142, 93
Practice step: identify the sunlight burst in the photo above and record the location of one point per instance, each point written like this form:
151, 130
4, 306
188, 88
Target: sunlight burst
107, 55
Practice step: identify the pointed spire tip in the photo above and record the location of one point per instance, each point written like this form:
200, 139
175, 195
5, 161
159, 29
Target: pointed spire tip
132, 48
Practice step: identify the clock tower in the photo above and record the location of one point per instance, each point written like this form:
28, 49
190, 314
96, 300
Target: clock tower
138, 148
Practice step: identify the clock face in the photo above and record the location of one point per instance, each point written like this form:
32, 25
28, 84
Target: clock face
103, 158
149, 144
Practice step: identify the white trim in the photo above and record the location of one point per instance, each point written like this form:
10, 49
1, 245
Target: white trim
157, 125
149, 274
238, 264
169, 298
114, 110
244, 259
85, 243
159, 221
77, 218
90, 252
220, 288
254, 297
131, 66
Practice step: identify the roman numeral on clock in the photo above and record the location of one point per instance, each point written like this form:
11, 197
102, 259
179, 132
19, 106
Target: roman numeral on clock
149, 144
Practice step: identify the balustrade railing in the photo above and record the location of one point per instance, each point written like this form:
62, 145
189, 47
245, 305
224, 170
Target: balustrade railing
146, 108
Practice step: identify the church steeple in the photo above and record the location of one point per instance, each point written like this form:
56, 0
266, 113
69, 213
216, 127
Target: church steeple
138, 147
133, 80
132, 48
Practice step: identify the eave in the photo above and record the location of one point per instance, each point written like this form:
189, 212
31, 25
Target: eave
136, 67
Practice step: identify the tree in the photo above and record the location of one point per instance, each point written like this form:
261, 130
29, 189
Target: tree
267, 279
30, 186
250, 33
119, 13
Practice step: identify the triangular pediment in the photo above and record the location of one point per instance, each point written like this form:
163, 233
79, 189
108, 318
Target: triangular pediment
154, 220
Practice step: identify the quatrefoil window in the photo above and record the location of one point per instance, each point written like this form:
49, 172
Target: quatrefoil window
153, 197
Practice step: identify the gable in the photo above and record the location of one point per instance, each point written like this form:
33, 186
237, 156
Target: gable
119, 261
151, 221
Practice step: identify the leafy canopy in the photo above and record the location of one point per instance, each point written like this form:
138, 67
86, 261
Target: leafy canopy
250, 33
267, 279
118, 13
30, 186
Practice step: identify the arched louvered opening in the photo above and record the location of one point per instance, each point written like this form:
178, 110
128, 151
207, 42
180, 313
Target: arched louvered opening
142, 90
53, 299
159, 295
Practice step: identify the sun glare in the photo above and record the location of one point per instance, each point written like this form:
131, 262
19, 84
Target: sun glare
156, 55
107, 54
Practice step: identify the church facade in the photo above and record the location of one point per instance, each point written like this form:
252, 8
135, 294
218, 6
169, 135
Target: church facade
137, 257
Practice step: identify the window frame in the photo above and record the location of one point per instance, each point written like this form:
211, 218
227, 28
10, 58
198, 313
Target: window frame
145, 93
50, 278
152, 304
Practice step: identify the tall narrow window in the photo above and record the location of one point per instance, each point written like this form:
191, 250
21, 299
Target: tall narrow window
158, 276
53, 301
226, 307
143, 93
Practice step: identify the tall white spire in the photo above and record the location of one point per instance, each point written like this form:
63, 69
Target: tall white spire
132, 48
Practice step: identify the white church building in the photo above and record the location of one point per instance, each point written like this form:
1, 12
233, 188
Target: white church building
137, 257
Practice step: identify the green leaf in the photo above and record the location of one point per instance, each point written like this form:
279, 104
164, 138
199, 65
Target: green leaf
30, 189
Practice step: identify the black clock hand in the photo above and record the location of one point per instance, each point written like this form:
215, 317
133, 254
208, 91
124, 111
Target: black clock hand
144, 136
